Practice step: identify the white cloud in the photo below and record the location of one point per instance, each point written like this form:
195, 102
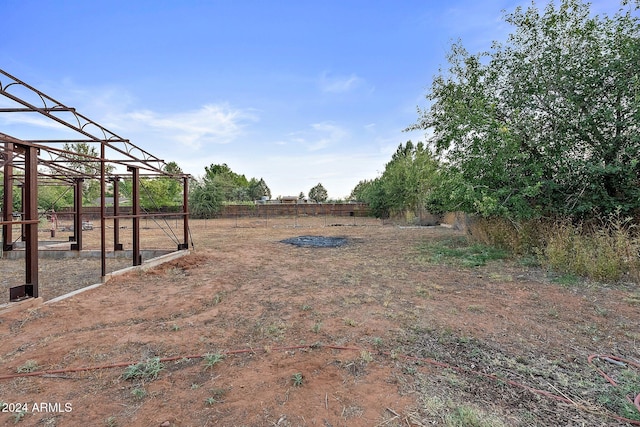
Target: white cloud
319, 136
339, 84
212, 123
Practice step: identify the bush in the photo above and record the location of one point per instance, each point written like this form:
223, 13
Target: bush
605, 250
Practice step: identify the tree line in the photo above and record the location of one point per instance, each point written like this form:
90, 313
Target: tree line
207, 194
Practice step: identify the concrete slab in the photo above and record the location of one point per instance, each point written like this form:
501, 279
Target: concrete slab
20, 305
145, 266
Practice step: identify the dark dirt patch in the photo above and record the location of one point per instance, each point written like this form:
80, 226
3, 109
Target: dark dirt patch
316, 241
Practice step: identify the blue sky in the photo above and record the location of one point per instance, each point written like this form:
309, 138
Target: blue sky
296, 92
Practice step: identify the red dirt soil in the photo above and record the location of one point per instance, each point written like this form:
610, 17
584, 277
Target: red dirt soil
288, 310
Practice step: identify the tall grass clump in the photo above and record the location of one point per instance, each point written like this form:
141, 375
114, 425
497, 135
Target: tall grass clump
605, 250
519, 238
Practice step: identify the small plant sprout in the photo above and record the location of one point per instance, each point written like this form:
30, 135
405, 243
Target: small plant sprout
18, 416
29, 366
217, 394
366, 356
139, 393
297, 379
316, 327
148, 370
349, 322
210, 360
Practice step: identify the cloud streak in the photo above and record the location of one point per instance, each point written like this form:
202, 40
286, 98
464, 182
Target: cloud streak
319, 136
339, 84
210, 124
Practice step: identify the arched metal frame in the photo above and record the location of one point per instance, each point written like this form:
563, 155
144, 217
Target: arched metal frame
27, 155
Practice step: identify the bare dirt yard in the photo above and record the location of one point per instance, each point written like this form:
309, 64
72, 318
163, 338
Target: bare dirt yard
397, 327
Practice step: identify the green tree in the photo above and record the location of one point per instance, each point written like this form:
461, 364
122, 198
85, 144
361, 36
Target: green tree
546, 123
360, 191
318, 193
408, 184
234, 187
80, 156
164, 191
54, 197
205, 199
16, 195
258, 189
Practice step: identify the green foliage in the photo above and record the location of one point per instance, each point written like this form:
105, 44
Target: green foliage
210, 360
459, 251
318, 193
221, 185
54, 197
407, 184
16, 194
205, 199
258, 189
83, 160
29, 366
603, 249
546, 123
618, 398
605, 253
234, 187
148, 370
297, 379
139, 393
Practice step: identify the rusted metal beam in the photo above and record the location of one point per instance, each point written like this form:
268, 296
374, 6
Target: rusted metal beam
30, 230
103, 212
20, 166
28, 110
185, 218
135, 196
77, 219
30, 204
7, 199
80, 123
117, 246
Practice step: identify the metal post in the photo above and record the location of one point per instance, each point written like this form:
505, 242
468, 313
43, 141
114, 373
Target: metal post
23, 237
135, 195
103, 213
117, 246
185, 214
7, 199
30, 204
77, 219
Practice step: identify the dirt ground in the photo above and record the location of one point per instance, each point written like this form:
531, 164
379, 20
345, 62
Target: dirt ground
249, 331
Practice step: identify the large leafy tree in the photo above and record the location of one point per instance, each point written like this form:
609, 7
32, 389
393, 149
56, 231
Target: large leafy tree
546, 123
232, 186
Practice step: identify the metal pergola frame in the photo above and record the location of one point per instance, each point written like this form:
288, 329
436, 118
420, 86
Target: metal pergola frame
26, 155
